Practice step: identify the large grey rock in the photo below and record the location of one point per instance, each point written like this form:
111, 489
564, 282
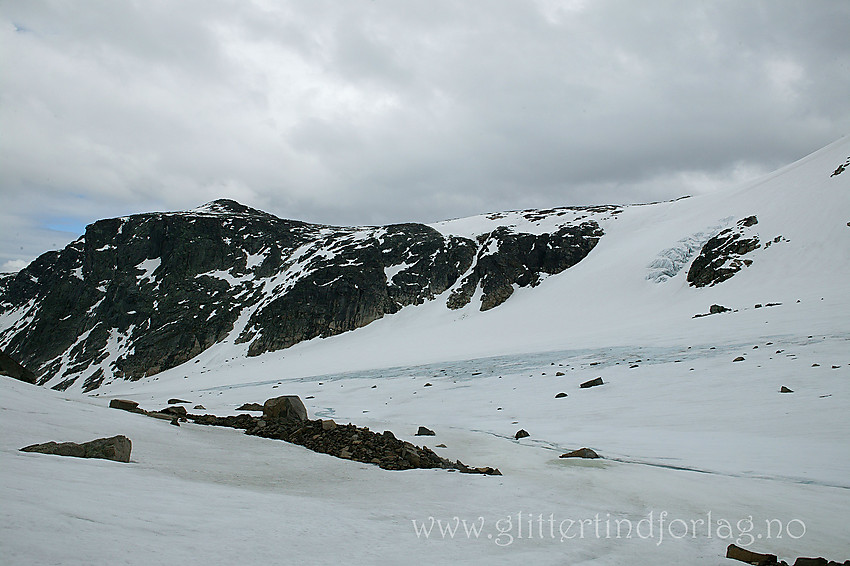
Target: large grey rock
113, 448
737, 553
580, 453
285, 407
592, 383
124, 405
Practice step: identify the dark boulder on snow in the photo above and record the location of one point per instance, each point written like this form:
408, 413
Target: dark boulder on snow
521, 433
11, 368
592, 383
737, 553
424, 431
125, 405
177, 411
286, 408
784, 389
580, 453
177, 401
114, 448
560, 395
250, 407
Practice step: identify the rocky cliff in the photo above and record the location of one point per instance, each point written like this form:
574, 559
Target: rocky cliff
140, 294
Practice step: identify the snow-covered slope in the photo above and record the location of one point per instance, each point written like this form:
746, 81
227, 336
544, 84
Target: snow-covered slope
700, 446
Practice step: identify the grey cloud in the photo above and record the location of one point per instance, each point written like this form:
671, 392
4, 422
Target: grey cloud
378, 111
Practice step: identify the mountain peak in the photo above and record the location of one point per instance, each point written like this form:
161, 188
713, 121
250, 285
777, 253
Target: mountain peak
226, 206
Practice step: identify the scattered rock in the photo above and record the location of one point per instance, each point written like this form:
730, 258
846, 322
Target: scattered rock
250, 407
113, 448
521, 433
177, 401
835, 367
559, 374
285, 407
737, 553
125, 405
717, 309
441, 445
560, 395
425, 432
177, 411
592, 383
427, 385
199, 408
739, 359
328, 424
784, 389
580, 453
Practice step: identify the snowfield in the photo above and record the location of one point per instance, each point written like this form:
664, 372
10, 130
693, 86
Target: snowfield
699, 451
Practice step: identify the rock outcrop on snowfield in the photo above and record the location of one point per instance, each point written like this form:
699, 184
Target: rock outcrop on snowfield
721, 256
141, 294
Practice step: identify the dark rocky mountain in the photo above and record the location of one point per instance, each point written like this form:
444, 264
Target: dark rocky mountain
140, 294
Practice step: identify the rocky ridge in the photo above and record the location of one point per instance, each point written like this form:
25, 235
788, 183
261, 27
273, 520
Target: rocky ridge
141, 294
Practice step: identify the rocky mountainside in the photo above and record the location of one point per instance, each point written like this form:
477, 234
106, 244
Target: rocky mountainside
141, 294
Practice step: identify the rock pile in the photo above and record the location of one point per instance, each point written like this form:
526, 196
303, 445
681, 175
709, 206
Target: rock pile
285, 418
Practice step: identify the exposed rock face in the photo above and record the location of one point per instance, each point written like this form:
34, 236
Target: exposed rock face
11, 368
595, 382
508, 258
140, 294
720, 257
114, 448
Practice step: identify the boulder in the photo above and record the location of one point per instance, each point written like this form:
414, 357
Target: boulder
113, 448
286, 408
124, 405
177, 411
580, 453
521, 433
425, 432
560, 395
717, 309
592, 383
744, 555
177, 401
784, 389
250, 407
328, 424
199, 408
739, 359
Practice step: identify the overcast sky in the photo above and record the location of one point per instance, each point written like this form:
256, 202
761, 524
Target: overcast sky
380, 111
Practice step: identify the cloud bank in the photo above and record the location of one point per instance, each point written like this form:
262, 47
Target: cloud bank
373, 111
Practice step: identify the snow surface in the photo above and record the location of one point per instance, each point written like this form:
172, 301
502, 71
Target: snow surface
684, 430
